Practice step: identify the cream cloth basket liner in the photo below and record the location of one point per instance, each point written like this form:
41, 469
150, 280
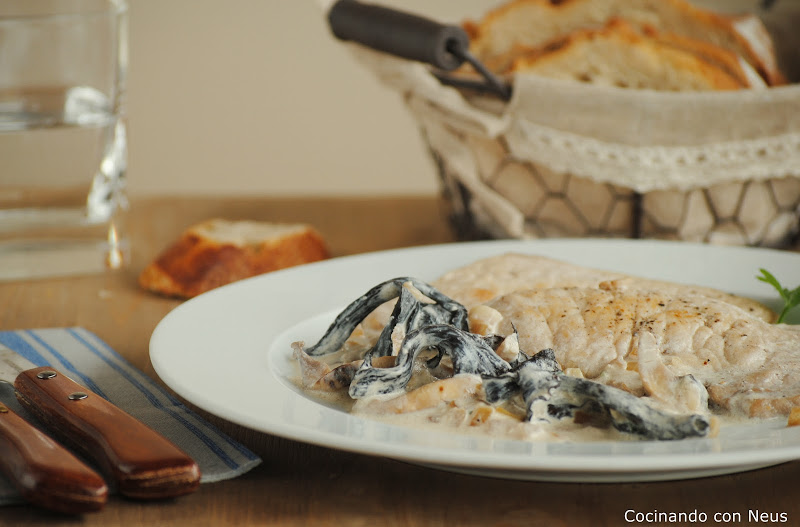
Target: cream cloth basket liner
640, 139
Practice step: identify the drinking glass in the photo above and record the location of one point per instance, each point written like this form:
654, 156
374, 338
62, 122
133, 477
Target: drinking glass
62, 137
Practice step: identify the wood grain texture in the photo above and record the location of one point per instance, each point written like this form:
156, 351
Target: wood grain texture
44, 472
304, 485
141, 462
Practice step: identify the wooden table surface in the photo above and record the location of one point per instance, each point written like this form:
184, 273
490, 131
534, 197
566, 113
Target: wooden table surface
300, 484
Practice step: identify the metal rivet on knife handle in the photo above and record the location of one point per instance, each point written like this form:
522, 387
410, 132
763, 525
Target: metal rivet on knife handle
77, 396
3, 409
47, 374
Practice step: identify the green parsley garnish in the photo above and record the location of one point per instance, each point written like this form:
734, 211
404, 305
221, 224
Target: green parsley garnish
791, 299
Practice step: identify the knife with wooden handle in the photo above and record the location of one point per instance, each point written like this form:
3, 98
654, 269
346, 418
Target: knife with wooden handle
141, 462
45, 473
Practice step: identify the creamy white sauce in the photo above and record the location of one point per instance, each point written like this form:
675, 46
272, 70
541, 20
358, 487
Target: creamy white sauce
460, 418
466, 414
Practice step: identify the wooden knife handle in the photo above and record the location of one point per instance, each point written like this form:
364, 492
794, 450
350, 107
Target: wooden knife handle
44, 472
141, 462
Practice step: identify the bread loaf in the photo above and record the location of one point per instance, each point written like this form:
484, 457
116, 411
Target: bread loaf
618, 55
218, 252
724, 59
535, 23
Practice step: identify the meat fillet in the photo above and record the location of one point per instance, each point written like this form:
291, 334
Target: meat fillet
645, 336
489, 278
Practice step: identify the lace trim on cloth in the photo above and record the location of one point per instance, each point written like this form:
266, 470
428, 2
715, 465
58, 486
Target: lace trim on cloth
646, 168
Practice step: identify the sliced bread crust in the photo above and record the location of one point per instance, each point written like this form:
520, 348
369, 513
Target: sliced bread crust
218, 252
618, 55
533, 23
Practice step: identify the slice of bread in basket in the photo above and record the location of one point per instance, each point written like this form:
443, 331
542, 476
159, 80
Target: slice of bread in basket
218, 252
618, 55
533, 23
722, 58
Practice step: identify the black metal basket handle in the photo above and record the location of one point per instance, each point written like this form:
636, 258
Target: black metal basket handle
445, 47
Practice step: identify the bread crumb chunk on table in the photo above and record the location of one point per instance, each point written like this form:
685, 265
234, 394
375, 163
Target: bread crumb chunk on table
218, 252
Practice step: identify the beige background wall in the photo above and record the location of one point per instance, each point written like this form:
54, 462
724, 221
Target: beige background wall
256, 97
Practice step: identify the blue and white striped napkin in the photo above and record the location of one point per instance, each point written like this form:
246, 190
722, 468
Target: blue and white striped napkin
89, 361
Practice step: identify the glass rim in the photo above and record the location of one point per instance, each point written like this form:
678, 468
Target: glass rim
109, 8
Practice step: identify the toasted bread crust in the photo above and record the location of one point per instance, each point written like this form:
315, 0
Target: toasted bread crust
620, 55
532, 23
715, 55
198, 262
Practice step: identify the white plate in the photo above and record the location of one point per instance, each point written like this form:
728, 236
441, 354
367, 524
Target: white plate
227, 351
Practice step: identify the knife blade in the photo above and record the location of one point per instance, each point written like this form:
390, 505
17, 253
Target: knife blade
45, 473
142, 463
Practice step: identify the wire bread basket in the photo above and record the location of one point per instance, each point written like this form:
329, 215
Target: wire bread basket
550, 158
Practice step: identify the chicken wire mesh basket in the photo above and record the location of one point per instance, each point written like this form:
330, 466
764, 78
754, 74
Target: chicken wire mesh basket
566, 159
551, 183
